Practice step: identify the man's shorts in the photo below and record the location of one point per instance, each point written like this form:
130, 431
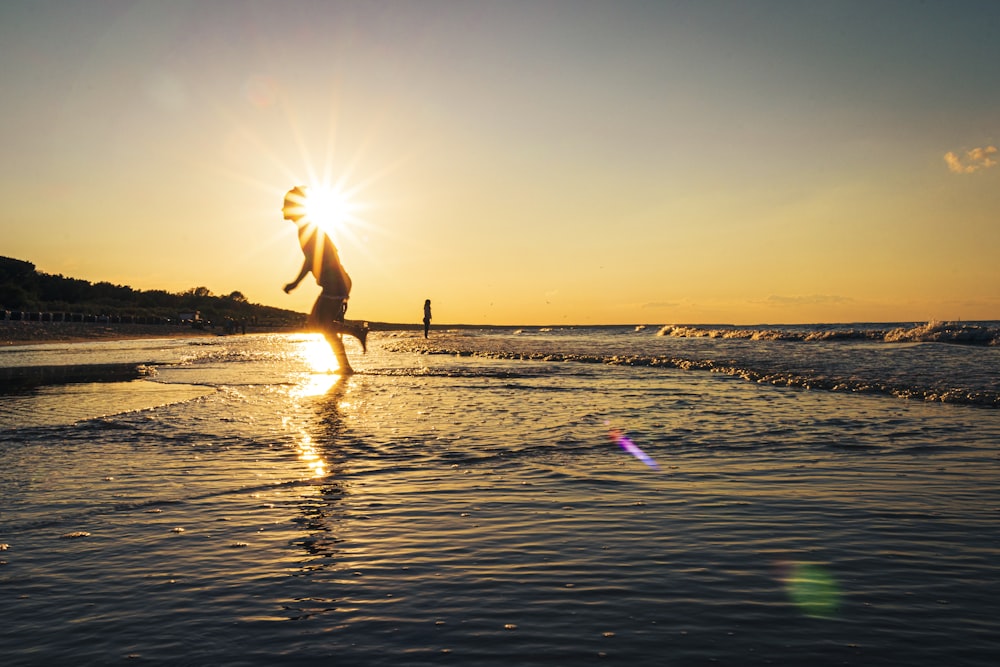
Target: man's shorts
328, 309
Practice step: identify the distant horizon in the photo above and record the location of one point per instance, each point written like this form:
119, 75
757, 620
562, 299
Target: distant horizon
417, 325
699, 325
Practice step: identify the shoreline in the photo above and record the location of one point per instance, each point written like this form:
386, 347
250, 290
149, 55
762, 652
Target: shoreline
13, 333
16, 378
18, 332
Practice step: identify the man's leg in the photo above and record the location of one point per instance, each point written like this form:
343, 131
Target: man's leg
330, 311
337, 345
327, 317
358, 330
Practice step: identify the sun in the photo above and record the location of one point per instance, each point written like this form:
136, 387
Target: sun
330, 209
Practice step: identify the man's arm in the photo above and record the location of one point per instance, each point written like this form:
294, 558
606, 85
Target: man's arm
302, 274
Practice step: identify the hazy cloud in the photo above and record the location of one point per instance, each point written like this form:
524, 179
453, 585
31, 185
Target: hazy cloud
974, 160
810, 300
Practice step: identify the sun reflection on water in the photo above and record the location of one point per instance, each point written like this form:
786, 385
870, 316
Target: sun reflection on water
320, 362
319, 386
315, 385
308, 453
316, 353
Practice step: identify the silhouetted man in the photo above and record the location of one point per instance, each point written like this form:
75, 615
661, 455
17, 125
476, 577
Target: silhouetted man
322, 260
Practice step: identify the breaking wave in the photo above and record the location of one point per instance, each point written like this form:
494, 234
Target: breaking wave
961, 372
932, 332
820, 382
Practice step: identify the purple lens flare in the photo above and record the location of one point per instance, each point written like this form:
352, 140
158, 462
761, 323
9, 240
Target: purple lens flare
632, 448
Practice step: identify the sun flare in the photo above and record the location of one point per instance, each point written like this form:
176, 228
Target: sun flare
330, 209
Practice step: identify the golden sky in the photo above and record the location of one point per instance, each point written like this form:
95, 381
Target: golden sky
518, 162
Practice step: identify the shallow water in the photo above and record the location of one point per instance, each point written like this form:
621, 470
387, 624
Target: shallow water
468, 508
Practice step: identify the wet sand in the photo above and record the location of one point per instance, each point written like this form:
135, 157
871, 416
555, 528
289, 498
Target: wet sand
33, 333
28, 333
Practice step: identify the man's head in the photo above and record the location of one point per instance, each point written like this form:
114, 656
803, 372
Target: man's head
295, 204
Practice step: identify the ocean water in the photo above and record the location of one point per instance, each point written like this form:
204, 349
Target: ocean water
823, 495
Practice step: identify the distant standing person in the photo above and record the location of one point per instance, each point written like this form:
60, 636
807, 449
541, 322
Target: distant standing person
427, 317
322, 260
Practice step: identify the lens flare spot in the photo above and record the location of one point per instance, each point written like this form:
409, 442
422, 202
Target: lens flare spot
813, 589
260, 91
622, 441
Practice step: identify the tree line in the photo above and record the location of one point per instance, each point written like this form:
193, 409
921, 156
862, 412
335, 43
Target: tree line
26, 290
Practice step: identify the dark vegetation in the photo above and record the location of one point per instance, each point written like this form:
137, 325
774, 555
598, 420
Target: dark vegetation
32, 295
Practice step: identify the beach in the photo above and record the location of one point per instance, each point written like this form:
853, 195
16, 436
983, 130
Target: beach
26, 333
569, 496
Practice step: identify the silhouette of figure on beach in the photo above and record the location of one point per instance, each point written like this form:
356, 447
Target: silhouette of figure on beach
320, 258
427, 316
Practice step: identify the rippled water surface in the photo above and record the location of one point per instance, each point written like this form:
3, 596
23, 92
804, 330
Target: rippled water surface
476, 508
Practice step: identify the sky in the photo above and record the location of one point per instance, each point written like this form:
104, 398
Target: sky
525, 163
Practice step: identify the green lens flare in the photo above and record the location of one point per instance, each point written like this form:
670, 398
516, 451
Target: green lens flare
813, 590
